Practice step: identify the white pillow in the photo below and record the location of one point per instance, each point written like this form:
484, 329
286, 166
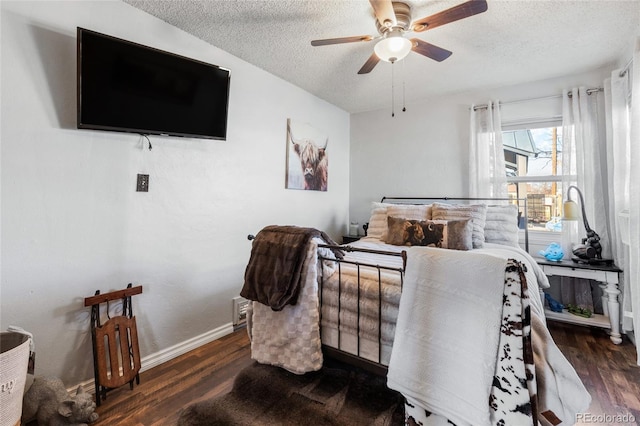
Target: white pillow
501, 226
378, 226
410, 211
378, 220
476, 212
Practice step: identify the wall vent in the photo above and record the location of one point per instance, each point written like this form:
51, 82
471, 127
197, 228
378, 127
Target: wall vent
240, 305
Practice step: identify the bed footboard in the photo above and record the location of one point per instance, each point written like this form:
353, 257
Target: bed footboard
359, 297
354, 291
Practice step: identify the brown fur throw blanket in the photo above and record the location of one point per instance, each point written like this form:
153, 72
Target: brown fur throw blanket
273, 275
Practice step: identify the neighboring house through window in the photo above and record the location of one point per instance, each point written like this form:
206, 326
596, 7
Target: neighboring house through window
533, 160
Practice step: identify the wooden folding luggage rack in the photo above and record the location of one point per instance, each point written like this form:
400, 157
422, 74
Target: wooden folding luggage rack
116, 354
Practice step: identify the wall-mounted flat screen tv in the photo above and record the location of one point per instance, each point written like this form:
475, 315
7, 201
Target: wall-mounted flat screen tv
127, 87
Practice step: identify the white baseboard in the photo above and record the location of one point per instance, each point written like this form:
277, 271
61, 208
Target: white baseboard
174, 351
167, 354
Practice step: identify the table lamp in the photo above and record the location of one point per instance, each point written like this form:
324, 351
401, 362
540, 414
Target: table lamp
590, 251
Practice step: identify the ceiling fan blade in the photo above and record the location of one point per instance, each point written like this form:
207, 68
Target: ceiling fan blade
429, 50
370, 64
463, 10
339, 40
384, 12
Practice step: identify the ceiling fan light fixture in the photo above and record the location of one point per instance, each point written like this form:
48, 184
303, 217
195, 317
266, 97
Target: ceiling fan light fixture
393, 47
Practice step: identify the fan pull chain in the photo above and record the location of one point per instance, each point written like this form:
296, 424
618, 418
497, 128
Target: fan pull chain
393, 113
404, 108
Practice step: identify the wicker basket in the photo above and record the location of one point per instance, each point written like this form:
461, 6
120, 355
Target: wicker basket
14, 359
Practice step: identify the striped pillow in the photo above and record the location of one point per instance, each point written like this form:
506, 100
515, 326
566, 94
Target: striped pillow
476, 212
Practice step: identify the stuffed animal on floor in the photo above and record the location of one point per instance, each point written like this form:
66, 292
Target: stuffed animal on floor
48, 402
554, 305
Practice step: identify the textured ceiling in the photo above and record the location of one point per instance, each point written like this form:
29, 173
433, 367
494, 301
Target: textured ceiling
514, 41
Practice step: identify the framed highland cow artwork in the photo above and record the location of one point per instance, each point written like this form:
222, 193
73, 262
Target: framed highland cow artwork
307, 158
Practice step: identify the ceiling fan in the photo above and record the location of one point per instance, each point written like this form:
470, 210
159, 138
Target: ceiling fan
393, 22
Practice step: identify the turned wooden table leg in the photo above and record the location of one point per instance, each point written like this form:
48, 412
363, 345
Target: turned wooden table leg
605, 298
613, 305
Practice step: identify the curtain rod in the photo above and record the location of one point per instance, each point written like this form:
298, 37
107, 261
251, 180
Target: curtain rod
589, 91
625, 70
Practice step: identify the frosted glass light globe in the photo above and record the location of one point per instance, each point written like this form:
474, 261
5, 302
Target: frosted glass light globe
394, 47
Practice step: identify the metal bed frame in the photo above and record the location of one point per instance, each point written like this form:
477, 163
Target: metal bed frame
356, 359
336, 353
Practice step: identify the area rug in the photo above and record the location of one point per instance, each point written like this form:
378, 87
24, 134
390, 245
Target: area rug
267, 395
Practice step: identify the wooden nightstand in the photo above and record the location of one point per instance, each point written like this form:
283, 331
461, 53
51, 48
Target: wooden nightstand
346, 239
608, 276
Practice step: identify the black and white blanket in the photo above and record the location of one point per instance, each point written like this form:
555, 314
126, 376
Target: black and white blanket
449, 371
511, 396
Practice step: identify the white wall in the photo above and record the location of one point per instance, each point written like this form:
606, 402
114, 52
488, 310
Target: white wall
423, 152
72, 222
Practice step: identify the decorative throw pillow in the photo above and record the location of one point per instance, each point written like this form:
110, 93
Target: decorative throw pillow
398, 230
430, 233
403, 231
476, 212
501, 225
380, 211
454, 234
460, 234
408, 212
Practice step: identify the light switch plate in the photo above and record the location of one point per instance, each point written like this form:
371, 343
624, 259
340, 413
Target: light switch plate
143, 183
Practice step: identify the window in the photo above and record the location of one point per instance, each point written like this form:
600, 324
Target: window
533, 160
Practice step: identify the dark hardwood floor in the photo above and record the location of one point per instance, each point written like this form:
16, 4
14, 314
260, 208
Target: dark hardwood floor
200, 374
608, 371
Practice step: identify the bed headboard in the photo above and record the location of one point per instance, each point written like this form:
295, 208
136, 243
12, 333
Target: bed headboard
523, 218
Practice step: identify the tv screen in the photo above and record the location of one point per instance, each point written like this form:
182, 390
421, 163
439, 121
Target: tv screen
127, 87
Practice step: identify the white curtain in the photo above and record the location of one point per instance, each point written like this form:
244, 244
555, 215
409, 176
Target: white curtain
632, 271
623, 156
487, 173
584, 165
617, 91
622, 182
